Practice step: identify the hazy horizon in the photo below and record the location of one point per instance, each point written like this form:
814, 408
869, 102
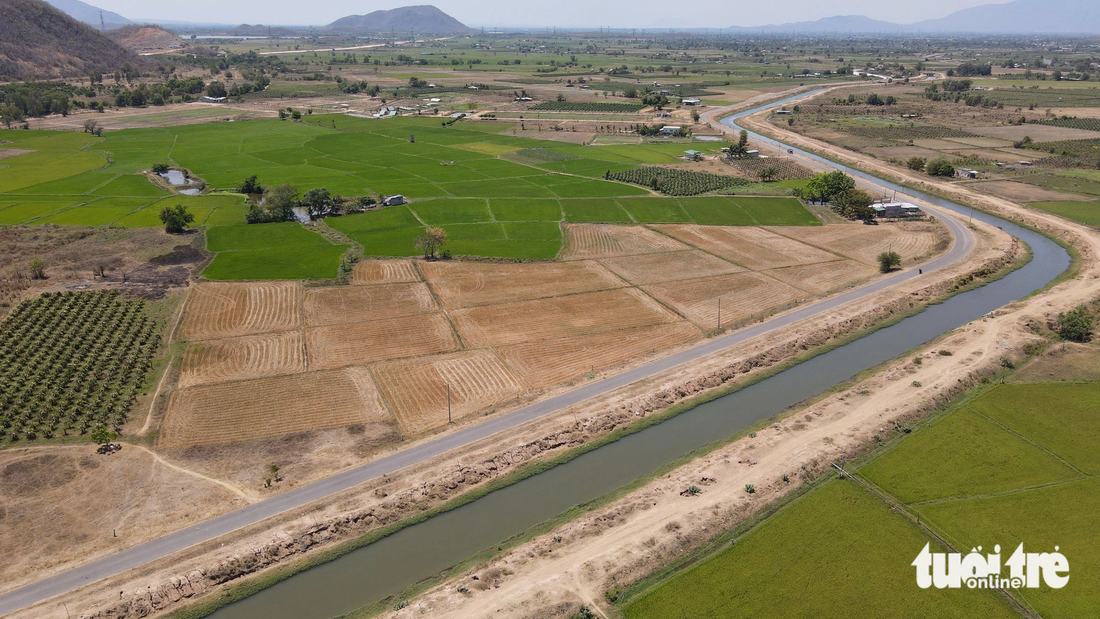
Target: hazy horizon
569, 14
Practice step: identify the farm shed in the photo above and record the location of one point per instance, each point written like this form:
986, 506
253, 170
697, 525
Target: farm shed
396, 200
691, 101
896, 209
670, 130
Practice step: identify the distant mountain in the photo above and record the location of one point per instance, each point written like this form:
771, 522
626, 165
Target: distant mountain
38, 41
424, 19
260, 30
841, 24
1021, 16
1017, 17
89, 14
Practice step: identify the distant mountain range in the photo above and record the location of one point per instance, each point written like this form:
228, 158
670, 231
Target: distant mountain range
1017, 17
419, 19
89, 14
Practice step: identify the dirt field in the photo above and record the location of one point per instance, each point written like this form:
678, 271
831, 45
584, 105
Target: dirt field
1038, 133
547, 362
461, 285
384, 272
669, 266
585, 241
273, 406
752, 248
573, 315
361, 343
330, 306
242, 358
743, 295
912, 240
1023, 192
823, 277
417, 388
218, 310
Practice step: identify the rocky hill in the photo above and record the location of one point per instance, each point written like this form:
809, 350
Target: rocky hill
38, 41
91, 15
147, 39
424, 19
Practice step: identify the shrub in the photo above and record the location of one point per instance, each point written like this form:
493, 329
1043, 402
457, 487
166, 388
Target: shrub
37, 267
1075, 325
916, 163
940, 167
160, 168
250, 186
751, 489
888, 261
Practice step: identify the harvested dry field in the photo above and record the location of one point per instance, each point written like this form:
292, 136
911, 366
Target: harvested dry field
384, 272
586, 241
337, 305
417, 388
823, 277
579, 314
266, 359
548, 362
743, 295
273, 406
752, 248
670, 266
219, 310
242, 358
461, 284
335, 346
864, 243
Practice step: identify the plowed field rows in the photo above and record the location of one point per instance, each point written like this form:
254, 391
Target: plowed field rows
384, 272
242, 358
824, 277
669, 266
753, 248
531, 321
330, 306
537, 364
417, 388
865, 243
273, 406
230, 310
743, 295
607, 241
360, 343
470, 284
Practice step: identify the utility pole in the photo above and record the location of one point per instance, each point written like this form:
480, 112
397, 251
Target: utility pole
449, 403
719, 313
102, 23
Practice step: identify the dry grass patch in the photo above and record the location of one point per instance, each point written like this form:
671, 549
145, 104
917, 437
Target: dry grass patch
824, 277
744, 295
384, 272
669, 266
753, 248
467, 284
242, 358
531, 321
338, 305
336, 346
584, 241
272, 406
218, 310
548, 362
417, 388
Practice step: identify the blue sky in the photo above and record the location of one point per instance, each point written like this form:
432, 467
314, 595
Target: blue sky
564, 13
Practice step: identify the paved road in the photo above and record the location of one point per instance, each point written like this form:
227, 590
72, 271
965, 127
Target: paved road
304, 495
